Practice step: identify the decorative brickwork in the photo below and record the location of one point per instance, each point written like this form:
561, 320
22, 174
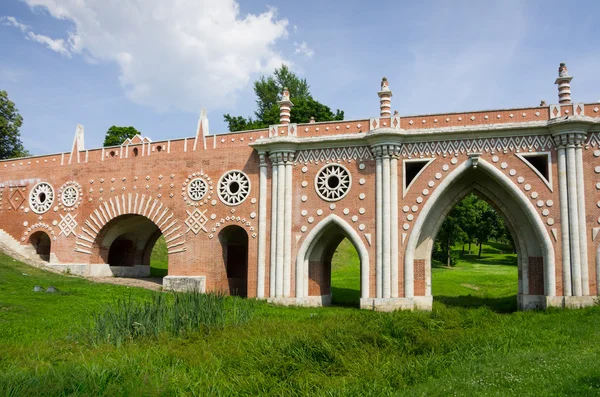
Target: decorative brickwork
536, 275
385, 182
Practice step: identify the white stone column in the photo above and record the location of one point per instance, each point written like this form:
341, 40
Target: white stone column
585, 283
564, 219
378, 223
287, 228
273, 237
385, 246
280, 229
262, 227
573, 218
394, 224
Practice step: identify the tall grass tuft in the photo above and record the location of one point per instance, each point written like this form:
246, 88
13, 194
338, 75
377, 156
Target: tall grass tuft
178, 313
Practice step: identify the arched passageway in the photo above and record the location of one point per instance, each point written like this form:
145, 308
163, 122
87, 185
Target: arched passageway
234, 245
313, 266
41, 243
532, 243
126, 243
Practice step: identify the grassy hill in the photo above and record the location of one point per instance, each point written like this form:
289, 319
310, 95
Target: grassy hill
47, 348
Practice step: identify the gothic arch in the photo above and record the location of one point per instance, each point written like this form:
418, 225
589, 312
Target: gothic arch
129, 204
531, 237
311, 244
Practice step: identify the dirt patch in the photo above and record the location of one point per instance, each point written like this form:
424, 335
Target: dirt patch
153, 283
471, 286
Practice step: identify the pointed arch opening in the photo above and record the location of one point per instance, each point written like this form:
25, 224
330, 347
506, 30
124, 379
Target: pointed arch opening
532, 242
313, 265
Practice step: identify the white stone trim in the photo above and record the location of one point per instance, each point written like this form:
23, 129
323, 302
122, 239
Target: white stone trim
406, 188
548, 182
581, 210
508, 185
573, 221
309, 243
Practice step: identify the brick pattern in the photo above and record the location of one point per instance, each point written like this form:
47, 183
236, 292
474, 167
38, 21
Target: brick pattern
161, 168
536, 275
419, 277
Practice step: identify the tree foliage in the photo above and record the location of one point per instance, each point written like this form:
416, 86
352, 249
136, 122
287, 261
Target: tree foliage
473, 220
117, 135
10, 123
268, 91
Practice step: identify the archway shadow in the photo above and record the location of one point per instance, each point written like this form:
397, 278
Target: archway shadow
345, 297
507, 304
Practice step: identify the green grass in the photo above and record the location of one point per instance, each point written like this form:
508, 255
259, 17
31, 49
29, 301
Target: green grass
345, 275
487, 281
159, 260
453, 350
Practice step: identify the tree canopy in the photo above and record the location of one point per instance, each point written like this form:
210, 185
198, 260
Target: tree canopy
117, 135
268, 91
10, 123
472, 220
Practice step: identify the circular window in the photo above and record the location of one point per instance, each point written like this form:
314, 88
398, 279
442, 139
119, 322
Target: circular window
234, 187
197, 189
69, 196
333, 182
41, 198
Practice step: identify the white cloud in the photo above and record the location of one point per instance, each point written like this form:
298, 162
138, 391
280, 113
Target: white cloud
302, 48
172, 55
57, 45
11, 21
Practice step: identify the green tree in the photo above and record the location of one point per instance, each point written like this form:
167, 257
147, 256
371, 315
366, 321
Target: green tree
268, 91
10, 123
117, 135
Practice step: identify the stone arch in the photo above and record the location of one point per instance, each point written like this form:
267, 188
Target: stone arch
132, 204
41, 243
316, 242
531, 237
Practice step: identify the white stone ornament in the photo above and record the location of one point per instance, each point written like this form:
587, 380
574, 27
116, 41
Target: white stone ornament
41, 198
234, 187
333, 182
197, 189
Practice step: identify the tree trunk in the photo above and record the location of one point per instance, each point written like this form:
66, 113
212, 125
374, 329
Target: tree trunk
480, 245
463, 250
469, 247
448, 253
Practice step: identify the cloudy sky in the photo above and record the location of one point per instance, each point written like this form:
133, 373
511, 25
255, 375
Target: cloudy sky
153, 63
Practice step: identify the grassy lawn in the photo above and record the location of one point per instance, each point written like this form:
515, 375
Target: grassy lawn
491, 280
159, 261
453, 350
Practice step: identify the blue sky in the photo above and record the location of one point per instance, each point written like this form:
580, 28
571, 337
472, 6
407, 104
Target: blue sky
152, 64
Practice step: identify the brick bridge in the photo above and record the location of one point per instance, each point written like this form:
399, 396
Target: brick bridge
260, 213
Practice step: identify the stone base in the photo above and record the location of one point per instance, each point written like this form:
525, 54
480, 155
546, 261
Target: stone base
391, 304
571, 302
184, 283
71, 268
531, 302
311, 301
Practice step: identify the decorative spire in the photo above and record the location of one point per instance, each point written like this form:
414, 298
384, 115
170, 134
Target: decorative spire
285, 107
202, 129
78, 145
564, 85
385, 99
